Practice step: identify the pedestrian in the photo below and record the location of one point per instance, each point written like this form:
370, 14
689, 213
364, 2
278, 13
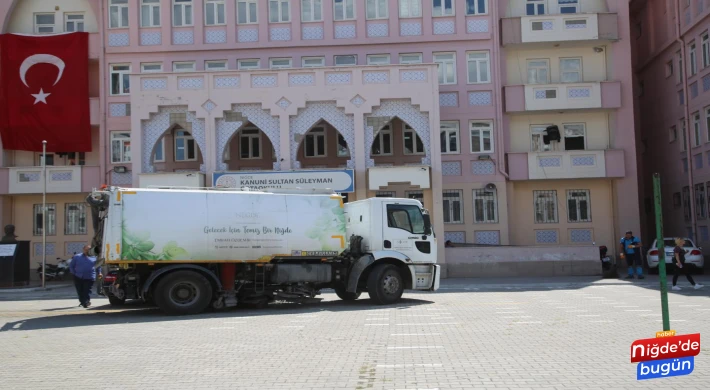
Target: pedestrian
679, 257
631, 250
83, 267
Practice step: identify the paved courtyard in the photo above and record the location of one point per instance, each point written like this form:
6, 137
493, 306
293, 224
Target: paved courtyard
562, 333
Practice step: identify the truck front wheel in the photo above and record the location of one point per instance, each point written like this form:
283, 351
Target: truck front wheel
346, 295
183, 292
385, 284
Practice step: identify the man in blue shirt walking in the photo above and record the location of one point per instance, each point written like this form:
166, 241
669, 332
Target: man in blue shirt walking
631, 250
83, 267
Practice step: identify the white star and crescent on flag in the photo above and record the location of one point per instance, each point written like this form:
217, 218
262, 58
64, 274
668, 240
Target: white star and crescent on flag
41, 96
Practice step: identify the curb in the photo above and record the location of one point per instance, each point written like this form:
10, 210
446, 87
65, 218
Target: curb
33, 289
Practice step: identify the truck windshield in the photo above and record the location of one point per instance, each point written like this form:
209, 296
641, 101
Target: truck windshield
406, 217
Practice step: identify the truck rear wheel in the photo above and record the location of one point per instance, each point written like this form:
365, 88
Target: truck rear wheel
385, 284
346, 295
183, 292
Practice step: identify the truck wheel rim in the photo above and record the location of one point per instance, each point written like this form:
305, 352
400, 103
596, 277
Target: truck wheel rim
184, 293
390, 284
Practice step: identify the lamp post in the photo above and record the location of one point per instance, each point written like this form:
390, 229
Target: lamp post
44, 213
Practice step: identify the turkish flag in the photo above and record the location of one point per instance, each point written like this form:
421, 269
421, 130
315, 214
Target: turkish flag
44, 92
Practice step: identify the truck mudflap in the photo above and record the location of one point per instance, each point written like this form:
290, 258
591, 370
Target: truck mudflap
425, 276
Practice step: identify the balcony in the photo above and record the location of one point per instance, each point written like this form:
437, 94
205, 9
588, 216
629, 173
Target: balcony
568, 96
60, 179
94, 111
602, 27
574, 164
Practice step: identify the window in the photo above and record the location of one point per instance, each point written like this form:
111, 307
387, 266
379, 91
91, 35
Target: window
120, 147
443, 7
568, 6
406, 217
343, 150
150, 13
311, 10
382, 144
706, 49
75, 218
693, 60
453, 210
151, 67
185, 147
50, 160
412, 143
214, 12
669, 68
538, 71
478, 67
481, 137
315, 143
476, 7
345, 60
535, 7
680, 67
279, 11
248, 64
410, 8
73, 22
449, 137
216, 65
579, 208
686, 203
279, 63
537, 132
685, 165
247, 12
385, 194
118, 13
44, 23
120, 82
696, 128
575, 136
378, 59
344, 9
184, 66
571, 70
250, 144
51, 220
74, 158
700, 201
182, 13
545, 203
410, 58
377, 9
312, 62
485, 206
698, 161
673, 132
418, 195
447, 67
683, 147
159, 152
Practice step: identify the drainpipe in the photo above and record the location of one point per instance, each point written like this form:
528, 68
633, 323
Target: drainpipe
679, 39
497, 84
103, 150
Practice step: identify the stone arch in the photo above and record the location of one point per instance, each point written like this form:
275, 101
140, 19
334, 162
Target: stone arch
244, 114
313, 113
408, 113
165, 120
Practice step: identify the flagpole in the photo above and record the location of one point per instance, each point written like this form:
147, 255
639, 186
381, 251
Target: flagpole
44, 213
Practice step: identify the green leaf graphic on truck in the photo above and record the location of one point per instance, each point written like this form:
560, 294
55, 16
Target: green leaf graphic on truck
137, 246
331, 219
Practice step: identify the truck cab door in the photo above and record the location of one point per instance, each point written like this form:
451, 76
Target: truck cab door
405, 232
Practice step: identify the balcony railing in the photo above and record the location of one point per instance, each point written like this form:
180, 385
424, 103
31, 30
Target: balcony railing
567, 96
566, 165
560, 28
60, 179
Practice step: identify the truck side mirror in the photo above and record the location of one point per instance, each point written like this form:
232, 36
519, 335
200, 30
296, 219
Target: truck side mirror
427, 224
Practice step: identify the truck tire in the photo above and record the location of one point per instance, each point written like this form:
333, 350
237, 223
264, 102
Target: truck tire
116, 301
385, 285
346, 295
183, 292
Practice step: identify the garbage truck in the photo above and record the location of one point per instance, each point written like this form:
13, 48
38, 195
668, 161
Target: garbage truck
187, 250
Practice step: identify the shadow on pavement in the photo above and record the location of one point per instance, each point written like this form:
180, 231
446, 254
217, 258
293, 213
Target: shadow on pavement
139, 312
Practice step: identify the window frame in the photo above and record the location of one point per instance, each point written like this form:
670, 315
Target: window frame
186, 139
215, 11
272, 66
580, 71
481, 136
248, 13
123, 157
371, 56
213, 62
183, 4
480, 62
684, 133
337, 57
441, 71
143, 65
554, 201
38, 26
391, 208
685, 200
406, 129
386, 130
119, 8
450, 214
50, 220
696, 129
443, 8
123, 75
242, 67
312, 11
574, 5
377, 9
538, 129
446, 132
315, 133
564, 134
76, 230
251, 137
474, 4
304, 59
178, 63
344, 13
673, 131
408, 62
151, 6
347, 147
578, 207
161, 142
537, 69
280, 5
692, 59
536, 7
480, 193
400, 8
705, 48
74, 21
700, 201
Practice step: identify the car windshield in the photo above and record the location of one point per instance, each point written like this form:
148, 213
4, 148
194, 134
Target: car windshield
671, 243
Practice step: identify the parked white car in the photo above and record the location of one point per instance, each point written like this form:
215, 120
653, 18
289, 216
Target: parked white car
693, 254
